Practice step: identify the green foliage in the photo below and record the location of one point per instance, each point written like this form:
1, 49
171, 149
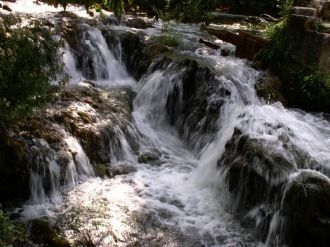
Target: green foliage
190, 10
117, 6
9, 232
305, 85
254, 7
152, 7
169, 37
27, 62
274, 30
285, 6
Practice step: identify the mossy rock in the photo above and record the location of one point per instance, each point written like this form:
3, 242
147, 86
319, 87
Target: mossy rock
43, 232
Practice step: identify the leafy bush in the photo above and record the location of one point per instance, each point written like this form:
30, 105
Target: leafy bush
169, 37
27, 62
9, 232
190, 10
304, 85
285, 6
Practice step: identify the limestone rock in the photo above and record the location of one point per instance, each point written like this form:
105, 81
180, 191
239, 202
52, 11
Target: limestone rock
303, 11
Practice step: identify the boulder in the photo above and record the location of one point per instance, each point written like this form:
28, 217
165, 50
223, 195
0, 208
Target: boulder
6, 7
306, 208
121, 169
42, 232
255, 172
149, 156
137, 22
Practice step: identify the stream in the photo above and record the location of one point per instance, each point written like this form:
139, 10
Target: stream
177, 191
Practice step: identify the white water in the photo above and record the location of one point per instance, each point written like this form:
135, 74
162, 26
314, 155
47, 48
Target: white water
184, 197
45, 159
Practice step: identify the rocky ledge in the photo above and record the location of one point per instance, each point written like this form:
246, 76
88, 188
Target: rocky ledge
95, 117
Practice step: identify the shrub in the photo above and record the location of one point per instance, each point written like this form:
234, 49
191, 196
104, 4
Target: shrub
10, 232
27, 63
169, 37
305, 85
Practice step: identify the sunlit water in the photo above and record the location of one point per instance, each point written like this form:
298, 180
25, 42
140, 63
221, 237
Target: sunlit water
178, 200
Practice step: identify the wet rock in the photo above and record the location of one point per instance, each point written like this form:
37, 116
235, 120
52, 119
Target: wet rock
269, 88
149, 53
42, 232
121, 169
149, 156
97, 118
187, 106
254, 171
111, 20
102, 170
138, 23
133, 46
306, 206
256, 177
5, 7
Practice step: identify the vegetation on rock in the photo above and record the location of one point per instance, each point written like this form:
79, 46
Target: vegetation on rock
305, 82
9, 232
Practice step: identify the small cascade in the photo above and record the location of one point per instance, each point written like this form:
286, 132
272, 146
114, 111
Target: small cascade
99, 63
150, 104
49, 177
69, 61
120, 147
79, 167
45, 173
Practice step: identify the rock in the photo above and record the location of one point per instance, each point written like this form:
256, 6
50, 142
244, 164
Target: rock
5, 7
325, 13
306, 208
102, 170
137, 22
304, 3
247, 44
303, 11
93, 116
110, 20
149, 156
254, 170
121, 169
269, 88
43, 233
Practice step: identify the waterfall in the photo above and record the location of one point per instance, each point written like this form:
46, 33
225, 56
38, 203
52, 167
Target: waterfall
46, 173
196, 150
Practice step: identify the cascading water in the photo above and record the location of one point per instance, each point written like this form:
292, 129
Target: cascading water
197, 155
